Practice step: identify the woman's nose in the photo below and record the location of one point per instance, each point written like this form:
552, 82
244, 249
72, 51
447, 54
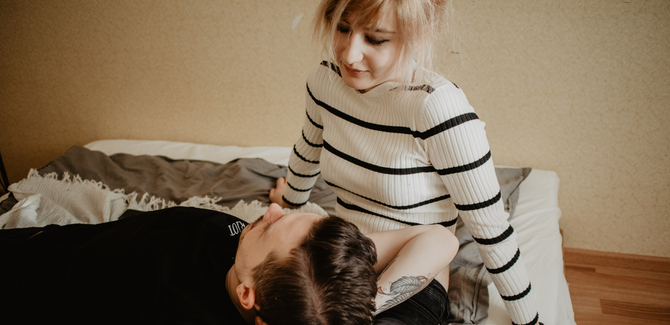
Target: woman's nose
353, 52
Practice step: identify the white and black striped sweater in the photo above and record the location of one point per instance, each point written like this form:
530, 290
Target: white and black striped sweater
398, 156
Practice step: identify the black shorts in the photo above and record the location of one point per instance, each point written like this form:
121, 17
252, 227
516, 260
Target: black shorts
428, 307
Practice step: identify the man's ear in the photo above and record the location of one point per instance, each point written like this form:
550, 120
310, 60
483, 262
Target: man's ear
246, 295
259, 321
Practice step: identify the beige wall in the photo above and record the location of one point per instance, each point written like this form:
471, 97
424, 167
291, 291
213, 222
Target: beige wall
578, 87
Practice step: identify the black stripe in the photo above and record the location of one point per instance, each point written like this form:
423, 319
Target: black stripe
396, 129
517, 297
397, 207
303, 175
480, 205
452, 122
375, 168
297, 189
492, 241
464, 168
309, 143
427, 88
312, 121
303, 158
292, 203
332, 66
534, 321
359, 122
508, 265
359, 209
448, 223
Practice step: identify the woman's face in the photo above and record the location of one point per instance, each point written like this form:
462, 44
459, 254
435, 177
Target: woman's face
367, 57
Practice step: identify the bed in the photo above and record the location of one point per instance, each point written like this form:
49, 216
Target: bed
99, 181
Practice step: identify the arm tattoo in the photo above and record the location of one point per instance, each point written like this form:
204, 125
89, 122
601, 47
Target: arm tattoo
401, 290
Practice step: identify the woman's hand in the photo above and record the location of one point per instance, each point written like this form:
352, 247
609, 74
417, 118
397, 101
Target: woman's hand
277, 193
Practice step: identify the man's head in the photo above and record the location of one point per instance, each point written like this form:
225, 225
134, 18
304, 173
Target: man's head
303, 269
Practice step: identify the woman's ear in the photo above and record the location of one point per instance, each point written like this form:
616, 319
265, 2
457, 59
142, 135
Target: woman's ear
246, 295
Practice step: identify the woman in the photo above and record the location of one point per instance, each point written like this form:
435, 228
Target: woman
399, 144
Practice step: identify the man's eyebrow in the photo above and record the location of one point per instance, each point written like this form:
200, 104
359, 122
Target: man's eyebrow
268, 226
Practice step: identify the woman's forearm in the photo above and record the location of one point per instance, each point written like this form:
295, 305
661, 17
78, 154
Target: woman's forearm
420, 254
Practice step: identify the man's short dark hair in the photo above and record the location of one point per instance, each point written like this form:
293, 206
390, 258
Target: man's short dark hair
328, 280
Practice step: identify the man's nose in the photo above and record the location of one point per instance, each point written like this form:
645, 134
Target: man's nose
354, 50
273, 213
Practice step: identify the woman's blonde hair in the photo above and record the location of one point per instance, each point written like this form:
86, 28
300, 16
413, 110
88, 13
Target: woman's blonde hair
419, 22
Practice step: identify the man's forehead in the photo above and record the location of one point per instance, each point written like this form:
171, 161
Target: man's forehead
297, 229
288, 237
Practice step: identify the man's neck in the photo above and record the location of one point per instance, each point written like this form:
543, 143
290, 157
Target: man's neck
232, 281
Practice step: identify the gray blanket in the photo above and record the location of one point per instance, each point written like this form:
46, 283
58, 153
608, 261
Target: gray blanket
251, 179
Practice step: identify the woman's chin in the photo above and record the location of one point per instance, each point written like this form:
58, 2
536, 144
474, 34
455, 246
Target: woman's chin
357, 84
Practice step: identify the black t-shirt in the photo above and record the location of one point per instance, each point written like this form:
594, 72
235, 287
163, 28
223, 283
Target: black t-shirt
162, 267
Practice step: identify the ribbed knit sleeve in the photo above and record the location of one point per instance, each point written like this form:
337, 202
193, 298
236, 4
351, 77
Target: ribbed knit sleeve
303, 166
457, 147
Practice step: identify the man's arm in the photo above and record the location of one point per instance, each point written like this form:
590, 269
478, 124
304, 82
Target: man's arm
408, 259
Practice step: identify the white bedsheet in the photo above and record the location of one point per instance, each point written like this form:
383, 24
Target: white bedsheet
536, 224
183, 150
535, 220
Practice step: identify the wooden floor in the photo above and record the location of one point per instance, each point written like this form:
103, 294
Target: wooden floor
608, 288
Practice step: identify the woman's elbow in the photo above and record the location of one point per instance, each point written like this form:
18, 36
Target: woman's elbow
446, 241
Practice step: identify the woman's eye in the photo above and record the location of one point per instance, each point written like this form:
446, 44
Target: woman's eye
343, 29
375, 41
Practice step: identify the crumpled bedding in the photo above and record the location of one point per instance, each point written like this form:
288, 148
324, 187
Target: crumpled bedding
48, 200
103, 187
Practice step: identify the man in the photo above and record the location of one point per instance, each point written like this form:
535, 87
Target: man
320, 269
187, 265
327, 277
183, 265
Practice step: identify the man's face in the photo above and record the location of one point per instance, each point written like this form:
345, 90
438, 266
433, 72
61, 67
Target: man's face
273, 232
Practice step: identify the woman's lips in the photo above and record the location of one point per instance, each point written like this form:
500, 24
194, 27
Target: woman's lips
354, 72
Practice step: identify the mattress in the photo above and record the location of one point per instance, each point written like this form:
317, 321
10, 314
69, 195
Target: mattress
535, 214
535, 220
